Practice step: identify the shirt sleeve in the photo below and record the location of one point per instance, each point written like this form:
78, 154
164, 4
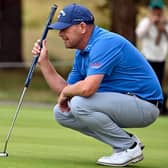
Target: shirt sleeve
143, 27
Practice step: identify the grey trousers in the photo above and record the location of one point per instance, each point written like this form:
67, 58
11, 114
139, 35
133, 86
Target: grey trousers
104, 115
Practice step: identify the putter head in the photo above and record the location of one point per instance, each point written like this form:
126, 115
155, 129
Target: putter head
3, 154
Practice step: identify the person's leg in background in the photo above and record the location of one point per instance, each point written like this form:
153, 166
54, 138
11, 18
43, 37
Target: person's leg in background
159, 68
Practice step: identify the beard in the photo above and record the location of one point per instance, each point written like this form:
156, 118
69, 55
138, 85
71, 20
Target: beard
72, 44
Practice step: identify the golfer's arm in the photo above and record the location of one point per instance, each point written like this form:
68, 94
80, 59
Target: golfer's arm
84, 88
54, 80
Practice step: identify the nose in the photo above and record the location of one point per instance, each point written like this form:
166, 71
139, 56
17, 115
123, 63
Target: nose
60, 33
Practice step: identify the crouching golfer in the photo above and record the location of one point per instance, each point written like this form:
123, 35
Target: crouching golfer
110, 87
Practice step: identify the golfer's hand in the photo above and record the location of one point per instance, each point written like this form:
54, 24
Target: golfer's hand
63, 103
42, 52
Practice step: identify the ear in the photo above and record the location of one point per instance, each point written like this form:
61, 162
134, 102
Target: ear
83, 26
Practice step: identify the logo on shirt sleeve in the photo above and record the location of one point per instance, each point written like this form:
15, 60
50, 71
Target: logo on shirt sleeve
95, 65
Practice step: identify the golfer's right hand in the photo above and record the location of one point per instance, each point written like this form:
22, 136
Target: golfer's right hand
42, 52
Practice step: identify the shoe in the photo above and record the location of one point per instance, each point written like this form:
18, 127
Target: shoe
123, 158
137, 140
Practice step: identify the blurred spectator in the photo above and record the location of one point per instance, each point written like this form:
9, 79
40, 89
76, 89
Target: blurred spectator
152, 31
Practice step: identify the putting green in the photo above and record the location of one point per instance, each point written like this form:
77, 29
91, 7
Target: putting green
38, 141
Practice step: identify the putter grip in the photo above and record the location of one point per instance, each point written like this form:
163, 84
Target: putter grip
44, 35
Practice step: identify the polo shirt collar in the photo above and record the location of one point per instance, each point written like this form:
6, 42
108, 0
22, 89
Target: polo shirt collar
89, 45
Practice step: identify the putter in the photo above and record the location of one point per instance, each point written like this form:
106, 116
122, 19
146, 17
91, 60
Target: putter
28, 79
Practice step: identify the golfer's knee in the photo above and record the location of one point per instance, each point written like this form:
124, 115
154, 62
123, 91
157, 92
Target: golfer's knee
78, 106
58, 116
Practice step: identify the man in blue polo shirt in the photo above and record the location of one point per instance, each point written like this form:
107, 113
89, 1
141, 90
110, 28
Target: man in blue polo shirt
110, 87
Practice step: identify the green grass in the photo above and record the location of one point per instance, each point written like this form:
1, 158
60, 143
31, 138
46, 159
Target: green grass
12, 83
38, 141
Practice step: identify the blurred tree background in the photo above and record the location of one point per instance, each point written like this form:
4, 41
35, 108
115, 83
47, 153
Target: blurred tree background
22, 22
10, 31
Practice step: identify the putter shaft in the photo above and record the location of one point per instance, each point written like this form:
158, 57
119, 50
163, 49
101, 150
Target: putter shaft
14, 119
28, 79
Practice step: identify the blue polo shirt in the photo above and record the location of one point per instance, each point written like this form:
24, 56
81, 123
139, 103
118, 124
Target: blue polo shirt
123, 66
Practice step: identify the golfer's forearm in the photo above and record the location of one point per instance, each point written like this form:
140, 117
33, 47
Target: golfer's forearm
73, 90
54, 80
79, 89
86, 87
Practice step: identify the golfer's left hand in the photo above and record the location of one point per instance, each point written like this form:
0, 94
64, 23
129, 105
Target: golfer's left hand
63, 103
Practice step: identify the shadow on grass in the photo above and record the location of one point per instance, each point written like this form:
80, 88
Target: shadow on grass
20, 161
46, 162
